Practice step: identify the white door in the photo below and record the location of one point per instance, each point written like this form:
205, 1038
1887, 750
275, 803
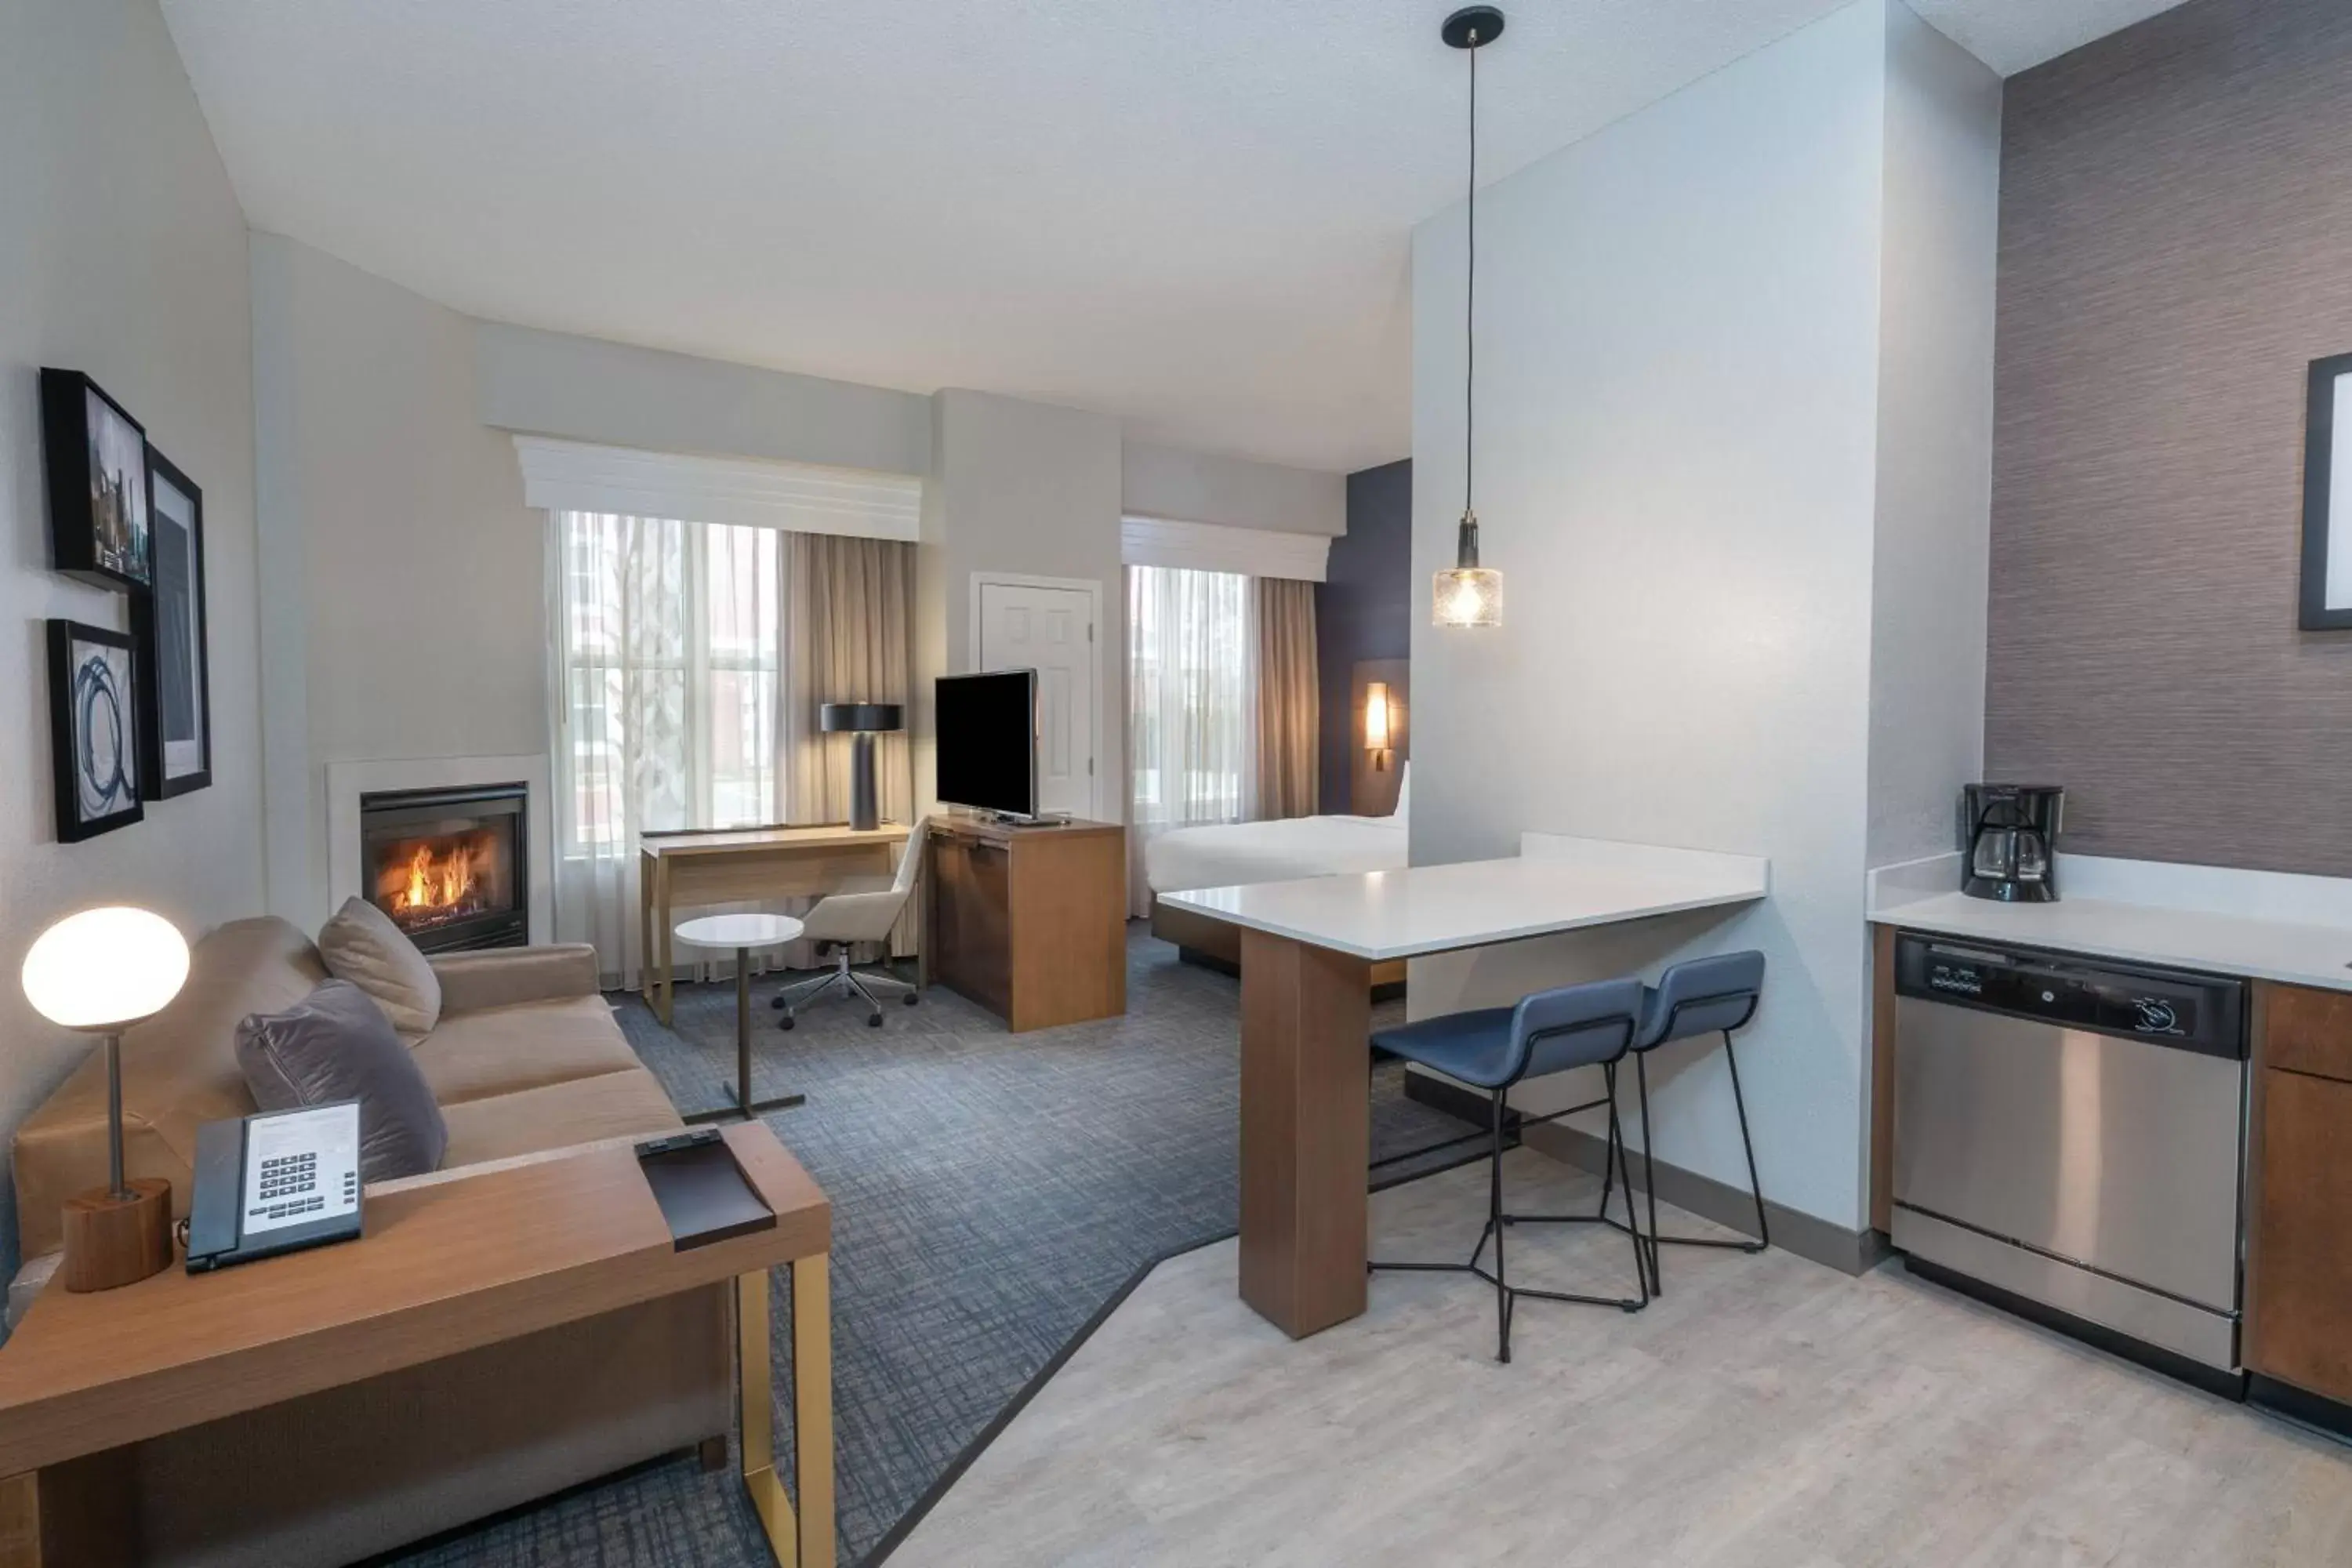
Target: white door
1050, 631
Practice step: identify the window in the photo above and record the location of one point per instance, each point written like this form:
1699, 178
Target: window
1190, 648
669, 678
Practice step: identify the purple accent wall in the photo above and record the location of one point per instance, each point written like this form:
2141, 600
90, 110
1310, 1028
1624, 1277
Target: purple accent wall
1363, 607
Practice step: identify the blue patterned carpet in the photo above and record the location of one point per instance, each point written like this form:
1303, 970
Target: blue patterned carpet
992, 1194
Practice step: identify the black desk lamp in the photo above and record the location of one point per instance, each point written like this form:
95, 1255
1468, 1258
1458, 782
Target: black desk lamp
861, 722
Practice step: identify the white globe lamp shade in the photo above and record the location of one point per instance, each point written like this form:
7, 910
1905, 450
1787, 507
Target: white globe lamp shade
105, 968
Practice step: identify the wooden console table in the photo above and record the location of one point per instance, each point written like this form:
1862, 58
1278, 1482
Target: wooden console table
733, 864
446, 1266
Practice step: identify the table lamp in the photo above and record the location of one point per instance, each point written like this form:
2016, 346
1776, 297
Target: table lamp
99, 972
861, 722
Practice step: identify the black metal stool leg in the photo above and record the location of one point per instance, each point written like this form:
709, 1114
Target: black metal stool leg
1495, 1218
1608, 1164
1617, 1149
1649, 1171
1755, 1184
1763, 1237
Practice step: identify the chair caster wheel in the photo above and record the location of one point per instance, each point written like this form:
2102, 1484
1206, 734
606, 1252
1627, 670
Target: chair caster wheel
911, 998
785, 1022
777, 1003
875, 1022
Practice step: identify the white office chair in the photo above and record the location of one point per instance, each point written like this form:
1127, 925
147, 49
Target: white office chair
857, 914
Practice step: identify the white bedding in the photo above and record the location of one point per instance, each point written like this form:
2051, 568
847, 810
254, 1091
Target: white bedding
1233, 854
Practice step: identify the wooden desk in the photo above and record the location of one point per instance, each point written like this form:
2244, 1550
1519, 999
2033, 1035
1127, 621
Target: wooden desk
735, 864
1030, 922
445, 1268
1307, 949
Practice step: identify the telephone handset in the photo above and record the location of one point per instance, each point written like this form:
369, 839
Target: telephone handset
274, 1182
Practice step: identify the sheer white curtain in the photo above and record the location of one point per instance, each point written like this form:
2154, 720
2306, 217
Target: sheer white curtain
1191, 725
665, 703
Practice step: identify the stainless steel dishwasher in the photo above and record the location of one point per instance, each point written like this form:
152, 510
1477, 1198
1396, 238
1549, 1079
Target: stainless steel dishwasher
2071, 1133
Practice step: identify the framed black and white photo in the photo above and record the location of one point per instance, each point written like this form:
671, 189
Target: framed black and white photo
96, 455
167, 620
2327, 498
94, 746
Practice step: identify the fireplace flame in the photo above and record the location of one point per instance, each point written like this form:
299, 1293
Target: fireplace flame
436, 883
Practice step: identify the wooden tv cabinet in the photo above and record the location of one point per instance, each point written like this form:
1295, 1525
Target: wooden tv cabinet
1030, 922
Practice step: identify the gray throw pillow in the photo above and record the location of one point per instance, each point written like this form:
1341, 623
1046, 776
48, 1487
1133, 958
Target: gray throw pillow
336, 1044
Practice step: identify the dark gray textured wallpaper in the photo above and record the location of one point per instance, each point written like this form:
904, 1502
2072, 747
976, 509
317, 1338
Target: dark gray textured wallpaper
2176, 247
1363, 608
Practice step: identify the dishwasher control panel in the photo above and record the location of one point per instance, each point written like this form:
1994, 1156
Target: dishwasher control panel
2196, 1012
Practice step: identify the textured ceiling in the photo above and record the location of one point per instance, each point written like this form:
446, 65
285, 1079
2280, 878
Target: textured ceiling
1191, 214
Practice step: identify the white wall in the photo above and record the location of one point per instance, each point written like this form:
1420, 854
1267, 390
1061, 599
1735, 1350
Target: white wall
1029, 488
1935, 438
1201, 486
584, 389
122, 253
408, 611
1679, 431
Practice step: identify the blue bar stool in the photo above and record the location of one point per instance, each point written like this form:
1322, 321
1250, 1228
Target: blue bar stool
1700, 997
1495, 1048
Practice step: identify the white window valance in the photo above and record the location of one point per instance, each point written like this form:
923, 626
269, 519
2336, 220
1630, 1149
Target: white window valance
1208, 547
578, 476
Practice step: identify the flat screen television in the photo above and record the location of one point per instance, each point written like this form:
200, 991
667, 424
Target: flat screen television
988, 740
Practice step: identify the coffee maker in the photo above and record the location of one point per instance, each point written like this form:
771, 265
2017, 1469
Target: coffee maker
2009, 834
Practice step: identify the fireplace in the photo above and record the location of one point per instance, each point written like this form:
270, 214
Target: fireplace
451, 866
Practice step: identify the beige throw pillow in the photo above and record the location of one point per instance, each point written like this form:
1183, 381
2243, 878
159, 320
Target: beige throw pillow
361, 945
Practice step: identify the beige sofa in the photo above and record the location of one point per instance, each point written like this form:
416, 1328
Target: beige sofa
526, 1060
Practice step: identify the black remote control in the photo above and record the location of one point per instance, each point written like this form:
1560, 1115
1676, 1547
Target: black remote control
692, 1139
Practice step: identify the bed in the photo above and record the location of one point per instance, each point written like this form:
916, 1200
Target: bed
1231, 855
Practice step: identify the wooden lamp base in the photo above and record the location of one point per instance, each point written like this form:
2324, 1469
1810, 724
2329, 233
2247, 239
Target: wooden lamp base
113, 1241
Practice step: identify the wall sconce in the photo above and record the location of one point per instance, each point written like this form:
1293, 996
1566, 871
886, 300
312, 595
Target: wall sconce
1376, 724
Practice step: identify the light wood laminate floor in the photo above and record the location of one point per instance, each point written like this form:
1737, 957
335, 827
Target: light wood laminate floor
1766, 1412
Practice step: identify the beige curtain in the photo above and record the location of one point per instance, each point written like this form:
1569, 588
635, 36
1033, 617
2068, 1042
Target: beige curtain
848, 619
1288, 740
847, 632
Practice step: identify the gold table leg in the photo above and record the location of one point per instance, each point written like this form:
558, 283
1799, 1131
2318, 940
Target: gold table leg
805, 1539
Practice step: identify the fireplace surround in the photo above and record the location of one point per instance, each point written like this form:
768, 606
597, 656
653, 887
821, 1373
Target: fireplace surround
450, 865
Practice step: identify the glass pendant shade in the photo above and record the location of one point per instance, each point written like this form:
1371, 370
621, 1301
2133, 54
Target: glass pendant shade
1468, 594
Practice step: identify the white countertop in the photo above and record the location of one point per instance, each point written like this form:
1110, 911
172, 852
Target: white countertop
1382, 915
2219, 942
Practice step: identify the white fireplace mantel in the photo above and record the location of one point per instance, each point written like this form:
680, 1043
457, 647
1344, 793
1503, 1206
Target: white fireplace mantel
346, 782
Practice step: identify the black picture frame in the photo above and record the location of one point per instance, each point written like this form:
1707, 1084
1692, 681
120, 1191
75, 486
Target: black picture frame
2317, 614
169, 625
95, 455
93, 729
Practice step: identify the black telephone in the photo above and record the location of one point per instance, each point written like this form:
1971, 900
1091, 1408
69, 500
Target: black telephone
274, 1182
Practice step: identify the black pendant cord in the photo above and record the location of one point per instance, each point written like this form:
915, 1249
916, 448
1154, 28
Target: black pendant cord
1470, 310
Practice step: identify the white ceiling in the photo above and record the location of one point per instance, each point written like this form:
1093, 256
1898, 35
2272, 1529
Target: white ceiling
1191, 214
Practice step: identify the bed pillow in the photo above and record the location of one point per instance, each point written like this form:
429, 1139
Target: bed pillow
1405, 790
336, 1044
361, 945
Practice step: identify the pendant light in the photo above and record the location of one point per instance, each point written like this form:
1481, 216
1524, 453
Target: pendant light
1470, 594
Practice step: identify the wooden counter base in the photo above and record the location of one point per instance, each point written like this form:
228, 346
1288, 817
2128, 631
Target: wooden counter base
1305, 1136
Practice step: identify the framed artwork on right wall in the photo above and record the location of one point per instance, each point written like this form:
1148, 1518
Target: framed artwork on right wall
2327, 498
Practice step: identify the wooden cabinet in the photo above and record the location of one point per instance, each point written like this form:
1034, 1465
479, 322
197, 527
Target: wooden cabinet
2299, 1209
1031, 923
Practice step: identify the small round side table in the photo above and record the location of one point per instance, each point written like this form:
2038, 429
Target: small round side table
743, 933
